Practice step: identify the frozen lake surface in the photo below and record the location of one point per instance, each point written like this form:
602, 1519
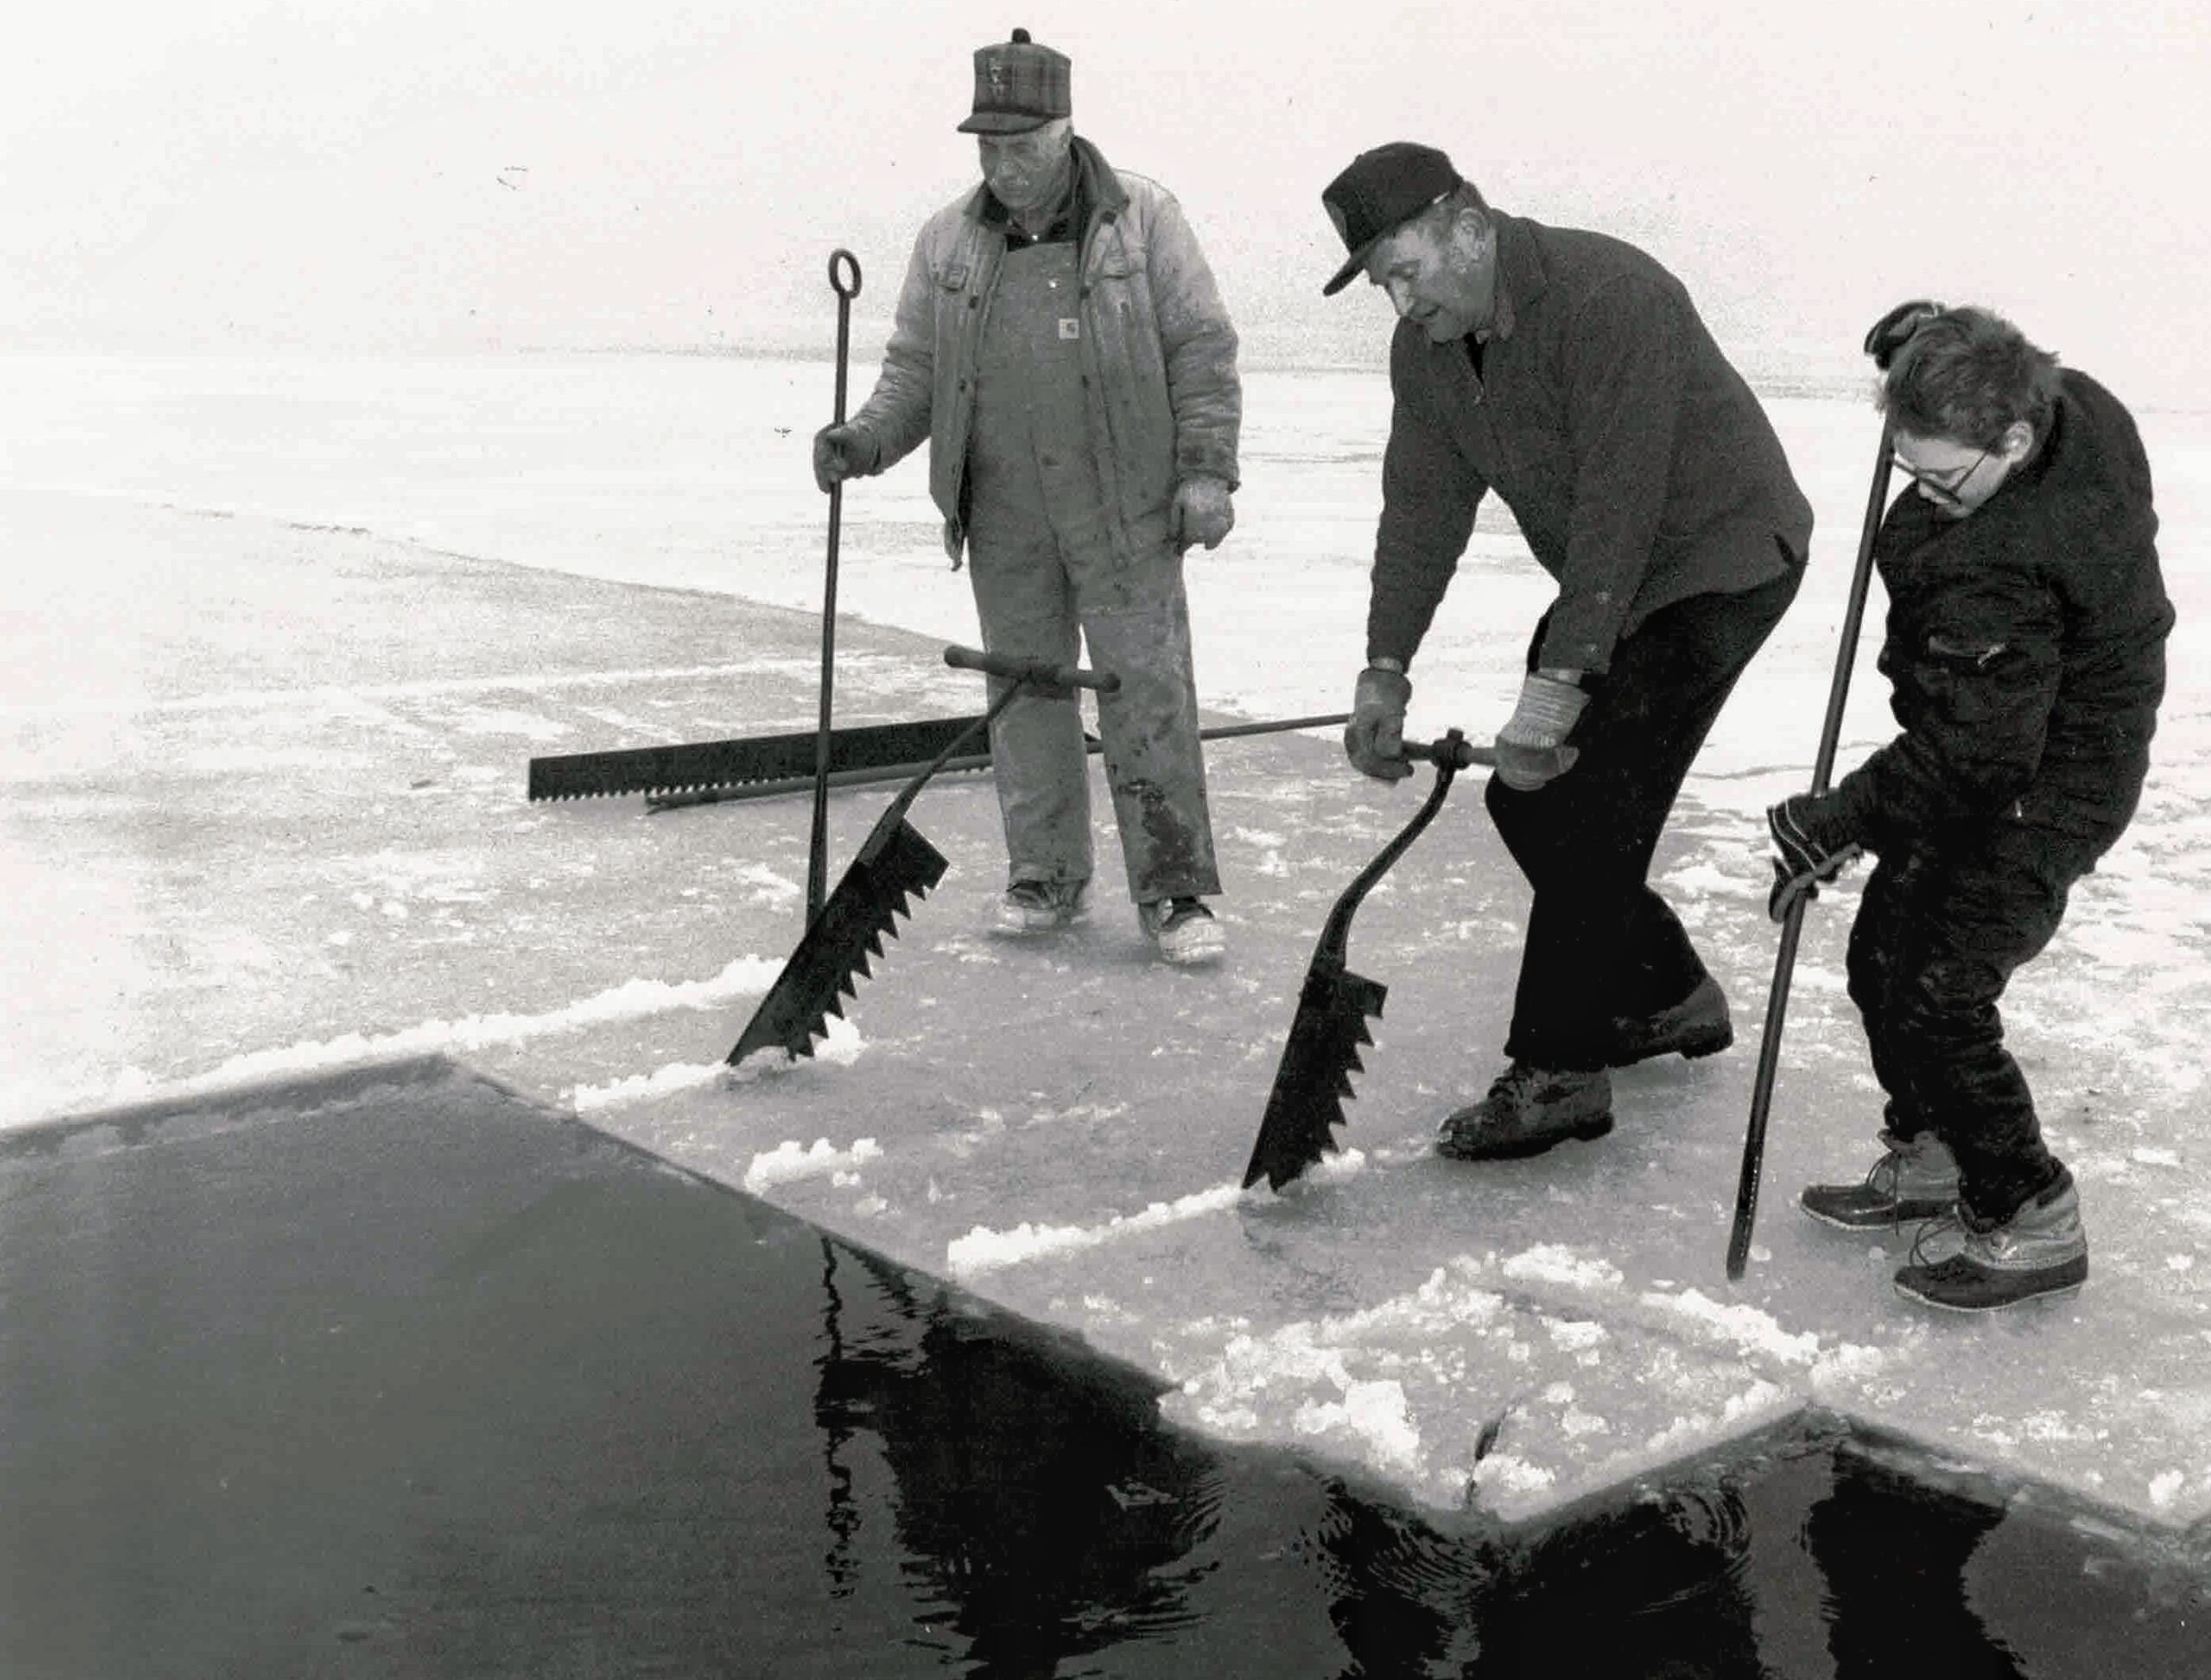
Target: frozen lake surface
271, 688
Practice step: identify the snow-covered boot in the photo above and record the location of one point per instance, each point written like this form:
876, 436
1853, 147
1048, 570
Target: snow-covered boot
2041, 1250
1041, 907
1182, 931
1917, 1178
1529, 1109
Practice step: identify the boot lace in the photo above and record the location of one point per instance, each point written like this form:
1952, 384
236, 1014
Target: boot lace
1952, 1234
1881, 1178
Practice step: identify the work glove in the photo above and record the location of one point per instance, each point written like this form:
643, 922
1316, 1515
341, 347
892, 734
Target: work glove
1201, 513
843, 451
1374, 739
1810, 843
1531, 748
1892, 332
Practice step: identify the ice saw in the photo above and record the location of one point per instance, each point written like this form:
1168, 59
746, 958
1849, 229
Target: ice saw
765, 766
1307, 1103
894, 866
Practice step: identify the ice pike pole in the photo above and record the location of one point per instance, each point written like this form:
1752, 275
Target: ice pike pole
817, 854
1307, 1103
1889, 334
894, 866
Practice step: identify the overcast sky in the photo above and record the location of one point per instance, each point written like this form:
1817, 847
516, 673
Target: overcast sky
449, 173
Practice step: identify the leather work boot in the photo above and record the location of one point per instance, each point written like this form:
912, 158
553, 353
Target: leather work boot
2040, 1250
1182, 931
1698, 1025
1529, 1109
1041, 907
1917, 1178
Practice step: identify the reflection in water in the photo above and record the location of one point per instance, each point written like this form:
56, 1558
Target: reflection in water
1047, 1522
415, 1384
1045, 1508
1874, 1590
1660, 1583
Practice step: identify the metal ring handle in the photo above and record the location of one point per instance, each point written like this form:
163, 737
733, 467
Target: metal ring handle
837, 280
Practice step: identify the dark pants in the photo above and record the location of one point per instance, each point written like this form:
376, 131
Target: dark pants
1600, 943
1939, 933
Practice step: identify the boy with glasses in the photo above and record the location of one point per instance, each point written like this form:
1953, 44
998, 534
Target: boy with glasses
2025, 645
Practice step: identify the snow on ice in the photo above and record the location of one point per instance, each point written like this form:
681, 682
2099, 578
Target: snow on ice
788, 1162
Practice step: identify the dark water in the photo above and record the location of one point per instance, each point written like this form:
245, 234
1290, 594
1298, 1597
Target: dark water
394, 1378
1032, 1517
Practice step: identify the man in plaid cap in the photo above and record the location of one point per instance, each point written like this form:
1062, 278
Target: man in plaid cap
1571, 374
1061, 347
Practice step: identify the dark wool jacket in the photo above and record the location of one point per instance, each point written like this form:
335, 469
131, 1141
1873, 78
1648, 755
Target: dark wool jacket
2025, 645
1640, 465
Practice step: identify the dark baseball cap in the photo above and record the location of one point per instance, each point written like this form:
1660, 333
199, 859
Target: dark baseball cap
1382, 191
1019, 84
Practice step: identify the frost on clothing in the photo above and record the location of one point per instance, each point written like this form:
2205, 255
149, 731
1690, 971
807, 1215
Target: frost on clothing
2025, 644
1163, 402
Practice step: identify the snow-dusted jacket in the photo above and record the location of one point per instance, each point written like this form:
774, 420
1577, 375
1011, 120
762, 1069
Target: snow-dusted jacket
2025, 644
1638, 464
1158, 353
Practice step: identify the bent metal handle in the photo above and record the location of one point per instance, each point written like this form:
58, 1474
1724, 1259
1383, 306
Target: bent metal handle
1020, 674
1450, 754
1042, 672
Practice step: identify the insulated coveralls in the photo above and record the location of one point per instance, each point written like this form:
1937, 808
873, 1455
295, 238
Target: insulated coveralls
1064, 390
1045, 575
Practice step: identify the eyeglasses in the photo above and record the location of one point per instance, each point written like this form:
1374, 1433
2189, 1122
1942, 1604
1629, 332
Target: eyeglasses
1945, 483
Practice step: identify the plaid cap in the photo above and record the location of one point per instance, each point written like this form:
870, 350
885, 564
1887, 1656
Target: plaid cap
1378, 193
1019, 86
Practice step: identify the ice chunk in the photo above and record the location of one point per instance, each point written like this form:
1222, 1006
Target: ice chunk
788, 1162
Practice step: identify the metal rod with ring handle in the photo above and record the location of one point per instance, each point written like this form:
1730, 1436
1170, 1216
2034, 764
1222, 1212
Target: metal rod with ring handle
817, 858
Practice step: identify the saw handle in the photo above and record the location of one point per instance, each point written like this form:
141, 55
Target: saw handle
1449, 755
1453, 751
1041, 671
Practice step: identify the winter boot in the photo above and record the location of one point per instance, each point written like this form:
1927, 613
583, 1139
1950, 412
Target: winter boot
1529, 1109
1041, 907
1182, 931
2040, 1250
1916, 1179
1698, 1025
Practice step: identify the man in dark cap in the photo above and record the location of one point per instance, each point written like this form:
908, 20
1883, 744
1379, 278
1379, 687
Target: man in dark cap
1571, 374
1062, 346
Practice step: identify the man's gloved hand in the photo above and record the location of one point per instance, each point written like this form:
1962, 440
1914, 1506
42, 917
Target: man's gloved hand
1374, 739
1201, 513
843, 451
1810, 845
1531, 748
